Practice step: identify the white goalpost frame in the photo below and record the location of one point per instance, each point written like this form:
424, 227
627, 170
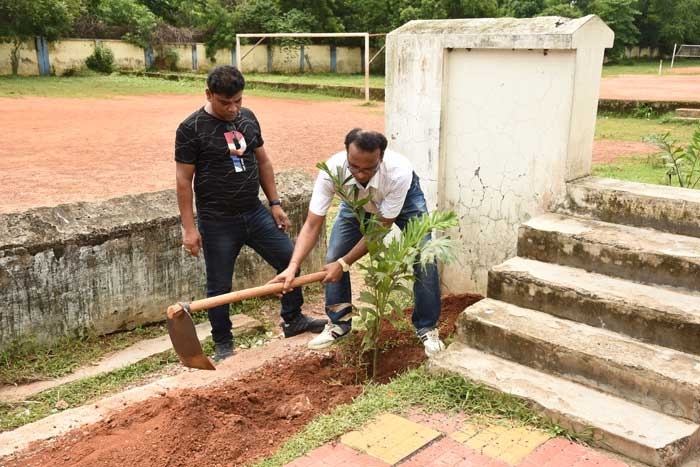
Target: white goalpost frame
677, 52
311, 34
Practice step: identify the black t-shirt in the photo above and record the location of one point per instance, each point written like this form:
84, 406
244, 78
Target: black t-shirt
224, 183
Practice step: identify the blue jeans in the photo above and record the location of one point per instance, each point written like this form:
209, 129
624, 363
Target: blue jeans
426, 288
222, 242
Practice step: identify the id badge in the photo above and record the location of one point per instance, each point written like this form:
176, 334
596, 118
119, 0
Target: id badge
236, 146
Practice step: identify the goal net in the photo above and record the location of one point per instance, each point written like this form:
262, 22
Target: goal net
685, 50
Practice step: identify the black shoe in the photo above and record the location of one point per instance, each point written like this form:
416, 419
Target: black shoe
222, 351
301, 324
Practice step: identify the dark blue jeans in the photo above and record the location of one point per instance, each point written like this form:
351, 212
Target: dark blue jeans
426, 288
222, 242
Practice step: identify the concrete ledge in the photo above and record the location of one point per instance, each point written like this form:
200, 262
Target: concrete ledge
612, 423
633, 253
114, 265
665, 208
688, 113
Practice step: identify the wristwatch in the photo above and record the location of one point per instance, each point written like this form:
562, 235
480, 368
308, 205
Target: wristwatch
346, 266
275, 202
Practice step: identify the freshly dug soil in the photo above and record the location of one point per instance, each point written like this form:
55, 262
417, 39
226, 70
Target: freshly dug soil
240, 421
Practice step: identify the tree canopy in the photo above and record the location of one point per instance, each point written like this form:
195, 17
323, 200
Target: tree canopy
655, 23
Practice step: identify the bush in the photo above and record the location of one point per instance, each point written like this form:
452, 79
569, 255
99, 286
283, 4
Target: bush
101, 60
165, 59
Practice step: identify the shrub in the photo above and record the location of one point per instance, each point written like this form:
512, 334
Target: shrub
682, 162
166, 59
101, 60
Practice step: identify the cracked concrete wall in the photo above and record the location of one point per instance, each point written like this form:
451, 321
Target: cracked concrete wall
115, 265
496, 115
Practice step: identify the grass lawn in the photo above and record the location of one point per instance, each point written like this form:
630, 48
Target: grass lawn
641, 169
107, 86
648, 66
635, 129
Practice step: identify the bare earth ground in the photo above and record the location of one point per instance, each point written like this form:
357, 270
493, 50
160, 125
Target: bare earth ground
66, 150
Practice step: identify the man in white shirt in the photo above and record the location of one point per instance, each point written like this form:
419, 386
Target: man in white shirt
388, 179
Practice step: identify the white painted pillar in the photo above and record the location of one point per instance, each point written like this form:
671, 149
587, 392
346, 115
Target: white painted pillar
496, 114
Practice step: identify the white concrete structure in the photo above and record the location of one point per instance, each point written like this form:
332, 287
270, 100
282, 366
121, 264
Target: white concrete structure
496, 115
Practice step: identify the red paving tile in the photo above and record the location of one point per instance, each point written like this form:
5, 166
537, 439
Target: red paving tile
449, 453
558, 452
336, 455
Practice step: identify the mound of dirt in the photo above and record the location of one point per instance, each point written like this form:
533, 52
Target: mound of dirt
239, 421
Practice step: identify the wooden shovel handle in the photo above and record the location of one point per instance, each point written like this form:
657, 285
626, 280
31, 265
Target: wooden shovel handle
245, 294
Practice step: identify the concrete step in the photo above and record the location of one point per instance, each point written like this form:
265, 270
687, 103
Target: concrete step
617, 425
634, 253
688, 113
664, 316
670, 209
659, 378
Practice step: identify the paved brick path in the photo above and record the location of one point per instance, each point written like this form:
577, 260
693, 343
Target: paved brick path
440, 440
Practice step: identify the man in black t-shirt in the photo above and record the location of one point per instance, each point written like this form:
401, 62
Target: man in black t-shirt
219, 153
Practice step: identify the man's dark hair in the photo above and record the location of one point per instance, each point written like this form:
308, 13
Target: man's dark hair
226, 80
366, 140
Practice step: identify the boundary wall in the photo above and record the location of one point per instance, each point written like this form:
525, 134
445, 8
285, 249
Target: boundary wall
65, 55
115, 265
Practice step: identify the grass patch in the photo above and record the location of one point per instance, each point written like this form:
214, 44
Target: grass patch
22, 362
14, 415
115, 85
634, 169
96, 87
433, 393
635, 129
647, 66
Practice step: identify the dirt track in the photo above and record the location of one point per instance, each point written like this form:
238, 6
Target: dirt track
67, 150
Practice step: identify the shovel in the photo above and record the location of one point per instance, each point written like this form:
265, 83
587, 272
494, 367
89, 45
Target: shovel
181, 327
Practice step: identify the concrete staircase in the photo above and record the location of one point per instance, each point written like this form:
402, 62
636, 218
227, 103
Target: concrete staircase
597, 321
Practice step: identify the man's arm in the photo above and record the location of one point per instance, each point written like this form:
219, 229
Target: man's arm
360, 249
184, 174
308, 236
269, 187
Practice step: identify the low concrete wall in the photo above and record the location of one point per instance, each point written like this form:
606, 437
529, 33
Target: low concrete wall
114, 265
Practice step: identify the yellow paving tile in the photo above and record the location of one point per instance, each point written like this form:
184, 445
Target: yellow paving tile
509, 444
485, 436
515, 444
466, 432
390, 438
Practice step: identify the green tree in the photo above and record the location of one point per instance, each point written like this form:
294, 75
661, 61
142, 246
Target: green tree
23, 20
316, 15
561, 8
478, 9
620, 16
139, 21
522, 8
388, 266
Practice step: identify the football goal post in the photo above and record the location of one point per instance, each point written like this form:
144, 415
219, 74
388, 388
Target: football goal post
685, 50
262, 37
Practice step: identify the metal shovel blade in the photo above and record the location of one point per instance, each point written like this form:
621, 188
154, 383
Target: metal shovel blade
183, 335
181, 327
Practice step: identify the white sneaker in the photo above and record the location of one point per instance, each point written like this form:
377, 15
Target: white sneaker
331, 333
431, 342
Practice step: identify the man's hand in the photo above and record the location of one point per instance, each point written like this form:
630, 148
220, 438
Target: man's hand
191, 242
286, 277
334, 272
280, 217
